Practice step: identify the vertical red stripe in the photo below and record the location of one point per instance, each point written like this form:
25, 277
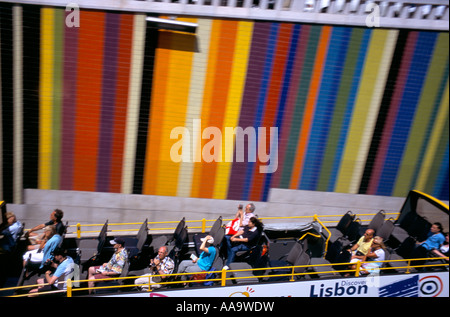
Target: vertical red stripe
89, 81
123, 70
272, 102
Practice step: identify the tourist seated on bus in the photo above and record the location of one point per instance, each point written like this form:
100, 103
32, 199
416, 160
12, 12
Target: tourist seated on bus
10, 233
376, 253
443, 249
244, 240
427, 248
64, 270
55, 220
202, 263
41, 255
111, 269
162, 265
359, 250
434, 239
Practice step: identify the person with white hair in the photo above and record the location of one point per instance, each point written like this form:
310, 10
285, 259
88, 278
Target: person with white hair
374, 256
43, 254
161, 265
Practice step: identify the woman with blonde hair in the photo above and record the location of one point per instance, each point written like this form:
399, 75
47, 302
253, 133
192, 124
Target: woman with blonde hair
376, 253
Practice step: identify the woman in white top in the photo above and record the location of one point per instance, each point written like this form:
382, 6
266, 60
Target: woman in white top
376, 253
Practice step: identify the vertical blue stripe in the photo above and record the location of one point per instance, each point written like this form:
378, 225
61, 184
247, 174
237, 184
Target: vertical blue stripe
283, 97
263, 91
349, 110
326, 100
413, 88
429, 130
440, 189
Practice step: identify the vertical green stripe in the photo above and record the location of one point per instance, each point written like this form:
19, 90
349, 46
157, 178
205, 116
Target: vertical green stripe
438, 157
297, 118
340, 108
59, 22
423, 116
18, 102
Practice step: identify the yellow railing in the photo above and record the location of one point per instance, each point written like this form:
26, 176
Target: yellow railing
201, 224
225, 275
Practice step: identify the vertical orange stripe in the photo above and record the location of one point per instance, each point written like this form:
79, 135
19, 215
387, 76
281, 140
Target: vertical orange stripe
162, 60
276, 82
310, 106
89, 81
222, 77
208, 102
123, 70
177, 95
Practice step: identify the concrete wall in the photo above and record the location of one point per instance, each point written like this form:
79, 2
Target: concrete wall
95, 208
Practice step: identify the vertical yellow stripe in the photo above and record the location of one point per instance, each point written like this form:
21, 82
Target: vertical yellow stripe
158, 109
366, 110
236, 89
197, 83
432, 147
177, 96
133, 103
207, 102
46, 97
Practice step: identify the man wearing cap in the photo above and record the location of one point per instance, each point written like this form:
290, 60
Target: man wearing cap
64, 270
203, 263
113, 268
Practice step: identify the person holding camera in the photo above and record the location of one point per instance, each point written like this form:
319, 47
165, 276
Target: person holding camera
65, 267
245, 215
162, 265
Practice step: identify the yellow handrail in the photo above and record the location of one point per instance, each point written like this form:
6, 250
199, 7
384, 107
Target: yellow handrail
316, 218
223, 278
202, 224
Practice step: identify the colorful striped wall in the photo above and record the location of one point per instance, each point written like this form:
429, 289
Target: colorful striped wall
358, 110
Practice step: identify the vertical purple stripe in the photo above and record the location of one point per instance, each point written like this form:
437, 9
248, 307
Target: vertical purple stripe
108, 101
249, 105
294, 82
69, 106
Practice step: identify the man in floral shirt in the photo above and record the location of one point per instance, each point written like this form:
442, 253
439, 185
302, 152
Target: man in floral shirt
160, 265
114, 267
